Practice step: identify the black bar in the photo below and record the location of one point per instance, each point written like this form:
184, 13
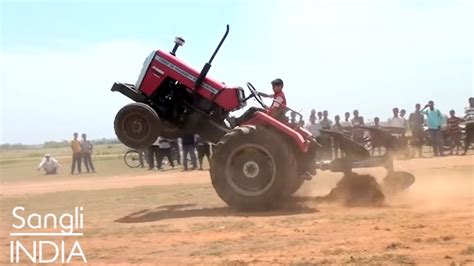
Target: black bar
129, 91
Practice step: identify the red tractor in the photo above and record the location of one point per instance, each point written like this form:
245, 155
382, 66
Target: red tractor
257, 159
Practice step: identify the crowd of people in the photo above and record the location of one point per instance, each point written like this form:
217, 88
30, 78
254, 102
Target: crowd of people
442, 132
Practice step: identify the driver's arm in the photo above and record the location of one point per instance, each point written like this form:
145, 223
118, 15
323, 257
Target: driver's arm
265, 95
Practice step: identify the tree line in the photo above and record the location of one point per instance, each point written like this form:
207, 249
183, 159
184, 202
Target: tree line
52, 144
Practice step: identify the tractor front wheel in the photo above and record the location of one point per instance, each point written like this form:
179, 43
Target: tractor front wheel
137, 125
250, 168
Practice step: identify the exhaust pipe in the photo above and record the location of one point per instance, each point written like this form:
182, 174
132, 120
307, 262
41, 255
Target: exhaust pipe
207, 66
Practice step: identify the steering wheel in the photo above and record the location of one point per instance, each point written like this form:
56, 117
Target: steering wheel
256, 94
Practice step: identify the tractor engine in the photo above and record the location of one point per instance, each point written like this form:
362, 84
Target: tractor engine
173, 99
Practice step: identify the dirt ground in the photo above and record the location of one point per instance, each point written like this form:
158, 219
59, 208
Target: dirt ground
175, 217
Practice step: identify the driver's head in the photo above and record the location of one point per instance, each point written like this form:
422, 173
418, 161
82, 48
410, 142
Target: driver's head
277, 85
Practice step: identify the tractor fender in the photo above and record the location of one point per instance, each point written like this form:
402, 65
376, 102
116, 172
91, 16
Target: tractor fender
261, 118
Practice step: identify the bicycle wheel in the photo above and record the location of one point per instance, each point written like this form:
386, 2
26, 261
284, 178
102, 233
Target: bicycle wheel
132, 158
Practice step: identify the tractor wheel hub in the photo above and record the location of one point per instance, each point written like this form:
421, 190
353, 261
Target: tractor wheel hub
251, 169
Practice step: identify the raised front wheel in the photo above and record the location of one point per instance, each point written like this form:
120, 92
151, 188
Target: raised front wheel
137, 125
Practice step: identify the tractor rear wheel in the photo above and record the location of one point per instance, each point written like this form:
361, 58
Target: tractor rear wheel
137, 125
293, 185
250, 168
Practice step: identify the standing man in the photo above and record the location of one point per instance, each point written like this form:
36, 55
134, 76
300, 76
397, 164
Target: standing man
86, 153
203, 149
396, 123
320, 116
154, 153
293, 123
403, 112
377, 122
375, 142
359, 134
356, 120
175, 151
164, 149
434, 126
416, 121
454, 131
347, 125
49, 164
337, 127
278, 107
314, 128
469, 118
76, 154
326, 124
188, 142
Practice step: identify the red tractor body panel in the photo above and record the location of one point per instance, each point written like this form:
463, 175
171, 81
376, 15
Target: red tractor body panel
166, 65
299, 138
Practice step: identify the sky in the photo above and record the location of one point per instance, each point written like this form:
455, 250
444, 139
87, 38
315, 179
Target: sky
59, 59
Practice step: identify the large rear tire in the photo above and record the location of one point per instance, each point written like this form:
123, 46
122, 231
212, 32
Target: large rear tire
293, 185
137, 125
250, 168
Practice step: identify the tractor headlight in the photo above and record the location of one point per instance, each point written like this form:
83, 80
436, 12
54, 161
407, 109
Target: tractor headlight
145, 66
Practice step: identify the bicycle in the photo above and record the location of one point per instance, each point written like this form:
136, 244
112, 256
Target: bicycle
135, 158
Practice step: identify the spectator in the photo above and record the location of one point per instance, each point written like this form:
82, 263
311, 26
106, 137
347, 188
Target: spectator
454, 132
337, 127
86, 152
320, 116
356, 120
313, 127
403, 112
325, 138
203, 149
49, 164
154, 153
301, 123
396, 123
293, 122
434, 126
415, 122
337, 124
469, 118
359, 134
175, 151
142, 157
375, 142
325, 123
377, 122
76, 154
188, 142
346, 124
164, 150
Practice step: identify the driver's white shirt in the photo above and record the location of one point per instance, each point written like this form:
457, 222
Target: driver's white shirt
277, 102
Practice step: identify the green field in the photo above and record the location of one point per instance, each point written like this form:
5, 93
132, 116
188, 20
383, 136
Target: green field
20, 165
